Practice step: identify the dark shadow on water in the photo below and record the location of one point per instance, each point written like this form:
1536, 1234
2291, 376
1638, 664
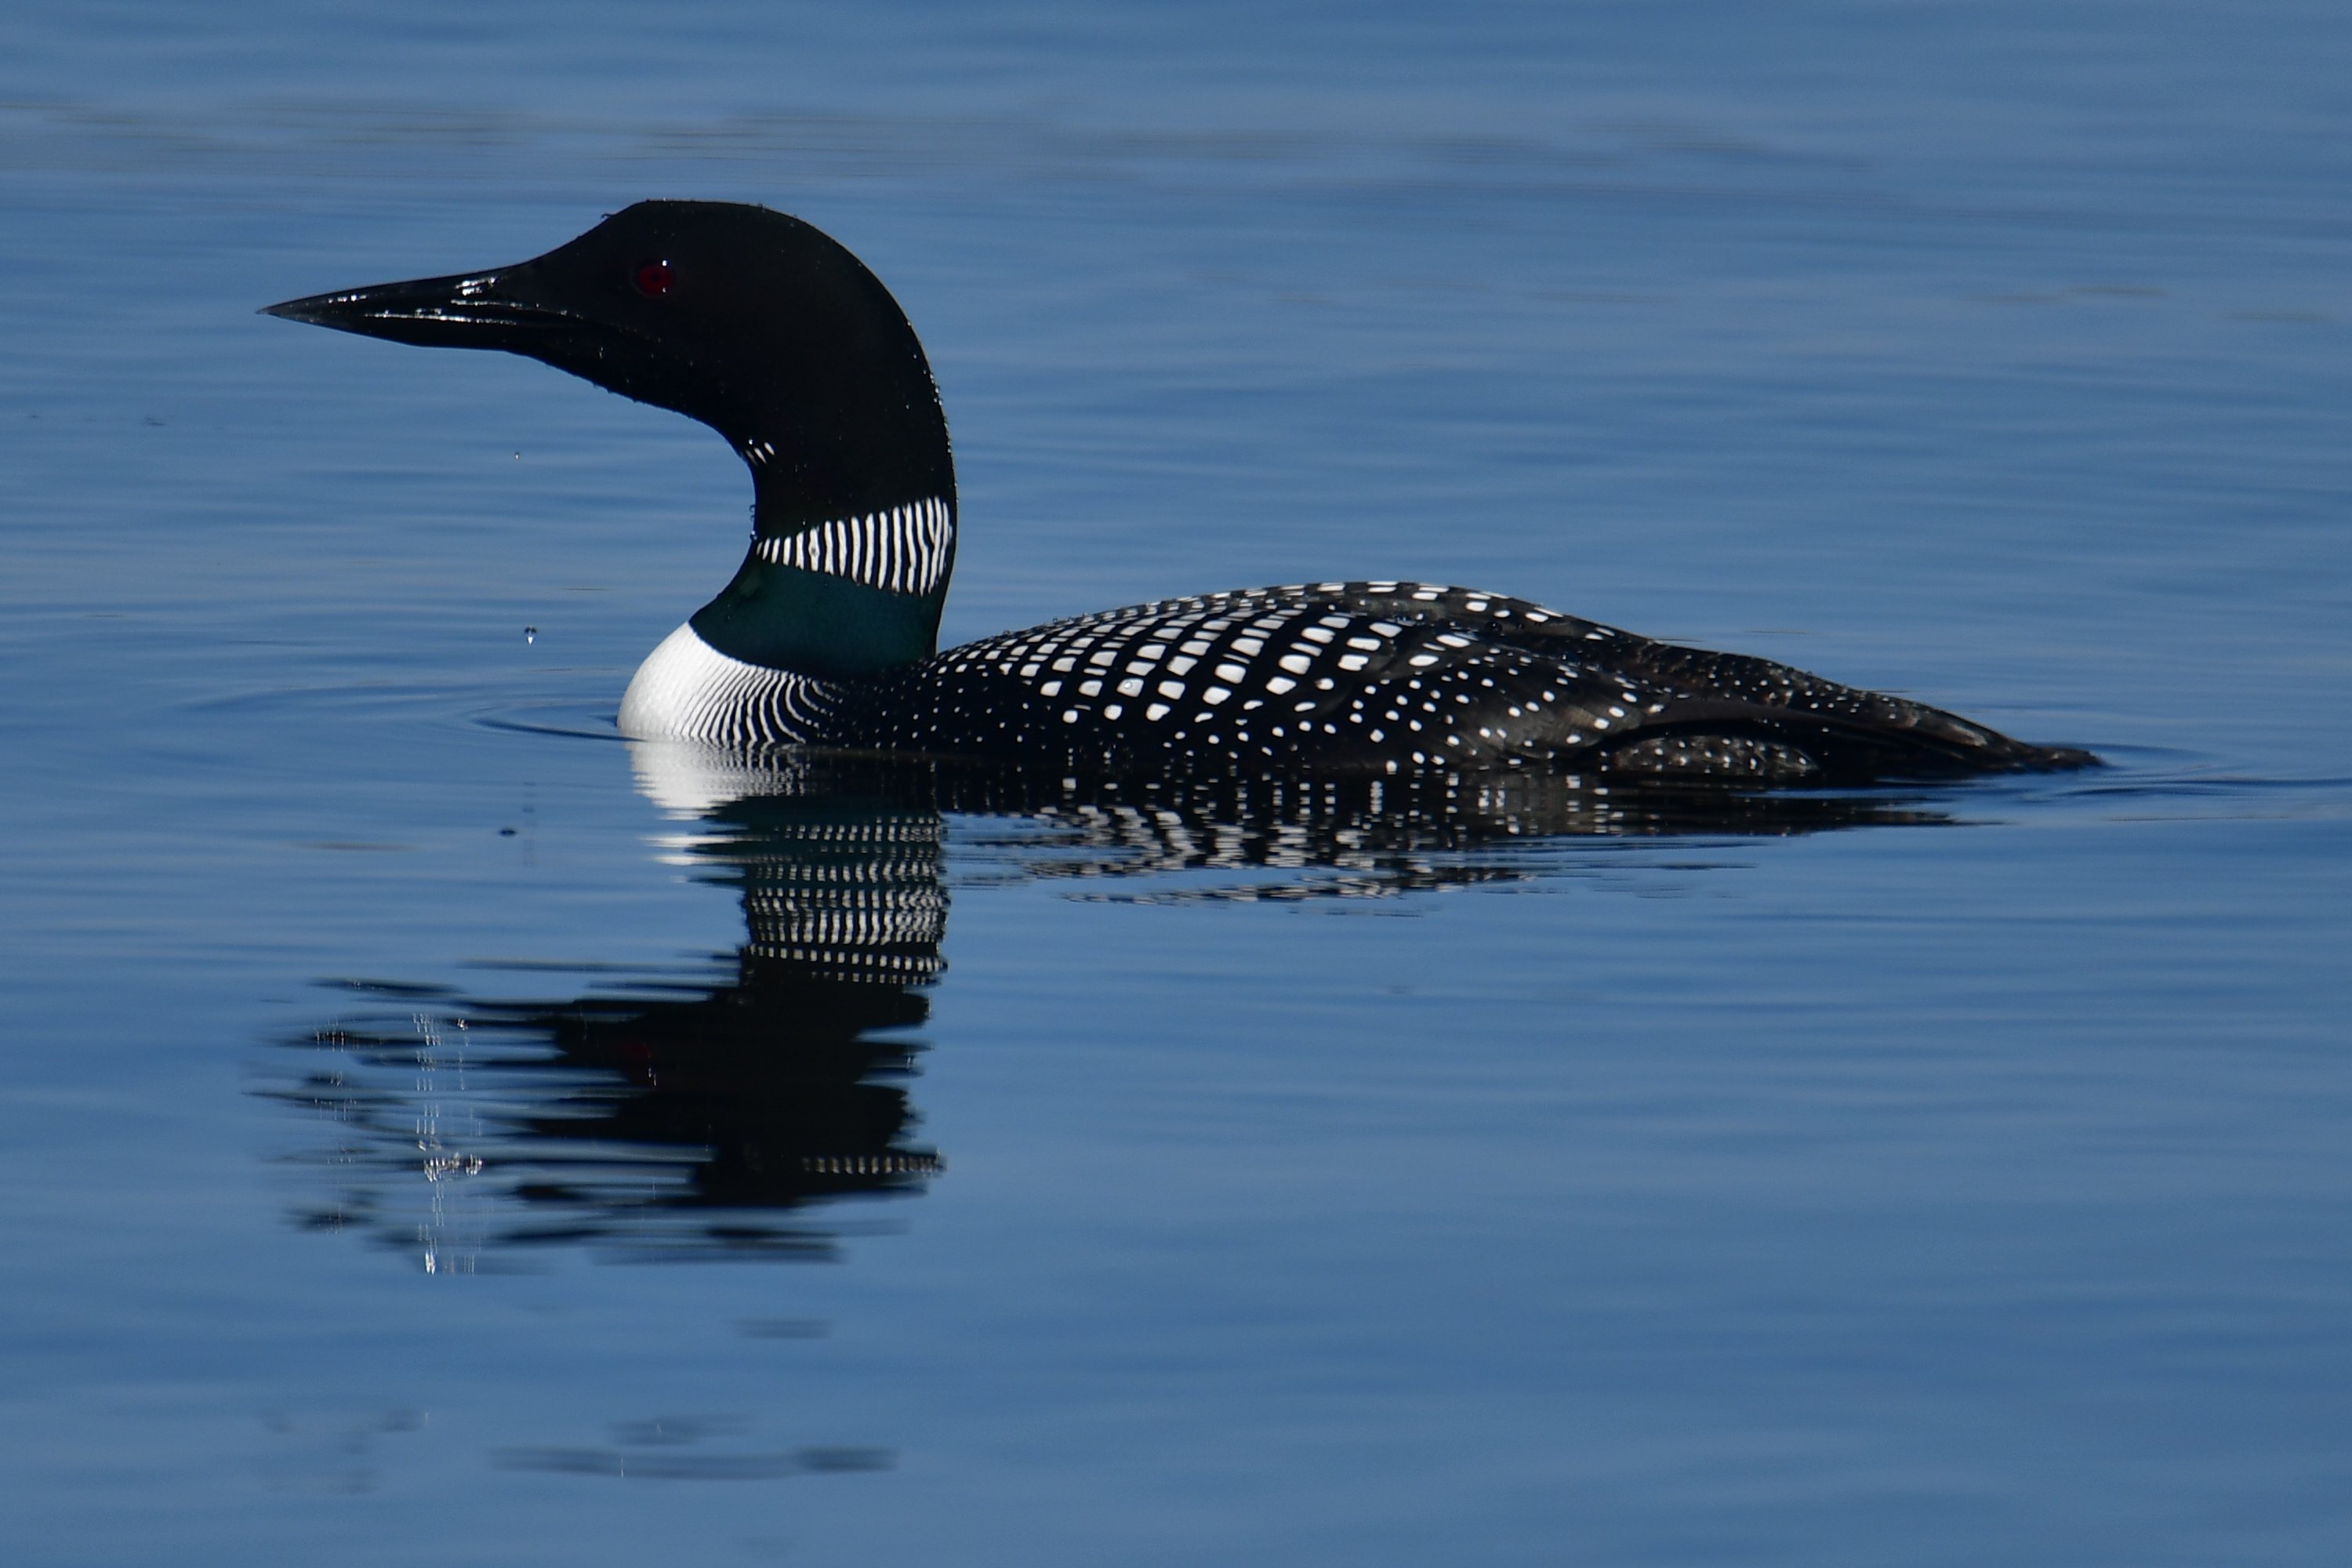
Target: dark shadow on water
732, 1109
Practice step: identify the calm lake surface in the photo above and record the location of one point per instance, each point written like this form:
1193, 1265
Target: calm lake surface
433, 1133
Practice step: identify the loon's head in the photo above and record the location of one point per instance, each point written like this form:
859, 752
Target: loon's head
753, 322
776, 337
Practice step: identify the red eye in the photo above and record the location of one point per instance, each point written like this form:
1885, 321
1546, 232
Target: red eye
654, 279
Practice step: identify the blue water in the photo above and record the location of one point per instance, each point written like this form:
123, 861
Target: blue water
405, 1162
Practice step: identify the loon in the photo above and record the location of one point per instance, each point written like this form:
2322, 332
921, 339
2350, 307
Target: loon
772, 333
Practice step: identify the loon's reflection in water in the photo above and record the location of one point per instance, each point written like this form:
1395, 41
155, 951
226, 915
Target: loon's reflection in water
721, 1110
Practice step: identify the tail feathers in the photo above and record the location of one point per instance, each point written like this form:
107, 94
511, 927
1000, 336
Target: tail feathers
1737, 716
1716, 738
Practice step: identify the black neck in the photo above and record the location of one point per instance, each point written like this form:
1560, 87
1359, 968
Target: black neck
861, 459
817, 623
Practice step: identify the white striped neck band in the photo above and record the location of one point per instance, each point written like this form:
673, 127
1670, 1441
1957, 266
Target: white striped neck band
905, 550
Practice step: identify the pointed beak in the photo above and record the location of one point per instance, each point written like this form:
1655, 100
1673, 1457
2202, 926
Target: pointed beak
475, 310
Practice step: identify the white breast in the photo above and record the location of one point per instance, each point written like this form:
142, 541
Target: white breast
688, 691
